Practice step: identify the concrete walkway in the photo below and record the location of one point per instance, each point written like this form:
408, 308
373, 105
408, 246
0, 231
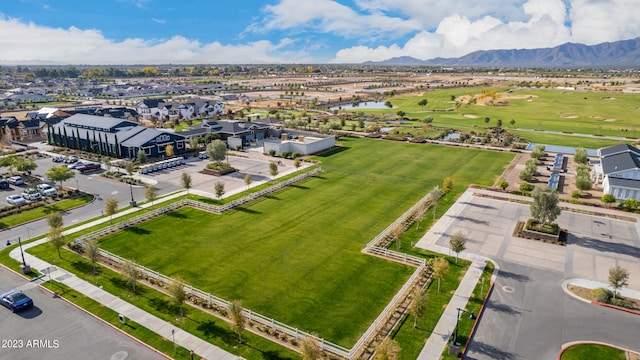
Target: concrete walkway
439, 339
182, 338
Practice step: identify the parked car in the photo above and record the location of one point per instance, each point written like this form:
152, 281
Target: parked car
70, 160
32, 194
88, 167
16, 200
16, 300
203, 155
47, 190
4, 184
57, 159
76, 165
15, 180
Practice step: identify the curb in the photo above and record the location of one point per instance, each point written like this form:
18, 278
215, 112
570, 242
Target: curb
475, 324
566, 346
56, 296
614, 307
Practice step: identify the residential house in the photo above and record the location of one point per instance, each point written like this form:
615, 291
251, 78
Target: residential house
618, 169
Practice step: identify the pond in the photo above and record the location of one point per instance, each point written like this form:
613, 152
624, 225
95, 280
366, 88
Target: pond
361, 105
452, 136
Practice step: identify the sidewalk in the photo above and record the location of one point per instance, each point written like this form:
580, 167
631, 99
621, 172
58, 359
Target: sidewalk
151, 322
439, 339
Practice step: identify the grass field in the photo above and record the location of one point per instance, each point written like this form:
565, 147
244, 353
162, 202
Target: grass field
296, 254
607, 114
592, 352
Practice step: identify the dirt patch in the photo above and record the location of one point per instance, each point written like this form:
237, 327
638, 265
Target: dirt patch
609, 120
608, 98
569, 117
469, 116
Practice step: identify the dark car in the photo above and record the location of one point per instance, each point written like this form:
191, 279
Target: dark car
4, 184
16, 300
88, 167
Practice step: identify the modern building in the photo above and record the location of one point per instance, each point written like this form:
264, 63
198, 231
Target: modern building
618, 169
113, 137
302, 142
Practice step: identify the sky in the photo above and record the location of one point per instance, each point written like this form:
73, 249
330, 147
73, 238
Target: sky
110, 32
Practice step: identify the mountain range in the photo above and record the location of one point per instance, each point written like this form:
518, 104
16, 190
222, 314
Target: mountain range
625, 53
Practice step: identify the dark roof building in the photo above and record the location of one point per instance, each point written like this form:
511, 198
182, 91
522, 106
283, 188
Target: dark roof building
619, 171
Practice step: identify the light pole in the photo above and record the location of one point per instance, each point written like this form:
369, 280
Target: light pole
471, 316
173, 337
133, 202
77, 186
24, 267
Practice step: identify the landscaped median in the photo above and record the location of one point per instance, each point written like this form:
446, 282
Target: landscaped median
596, 351
43, 210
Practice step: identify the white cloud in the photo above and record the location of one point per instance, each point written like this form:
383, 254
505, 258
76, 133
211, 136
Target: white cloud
28, 43
544, 23
329, 16
159, 21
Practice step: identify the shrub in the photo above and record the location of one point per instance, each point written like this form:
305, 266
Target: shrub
284, 154
625, 303
295, 155
272, 152
602, 295
575, 194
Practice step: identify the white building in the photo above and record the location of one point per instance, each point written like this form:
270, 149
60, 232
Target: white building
619, 171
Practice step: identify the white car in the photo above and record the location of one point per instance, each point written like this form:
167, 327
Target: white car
47, 190
32, 194
16, 200
76, 165
15, 180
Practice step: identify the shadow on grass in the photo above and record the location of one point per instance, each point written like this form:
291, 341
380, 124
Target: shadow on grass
177, 215
333, 151
299, 187
138, 231
51, 209
268, 355
3, 225
85, 268
247, 210
124, 285
211, 330
165, 306
272, 197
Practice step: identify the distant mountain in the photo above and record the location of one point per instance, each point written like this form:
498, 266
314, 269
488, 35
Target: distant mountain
614, 54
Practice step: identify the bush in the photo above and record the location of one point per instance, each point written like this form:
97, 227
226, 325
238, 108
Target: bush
272, 152
575, 194
602, 295
284, 154
295, 155
625, 303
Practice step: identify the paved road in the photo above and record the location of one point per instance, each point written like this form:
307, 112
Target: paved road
54, 329
532, 317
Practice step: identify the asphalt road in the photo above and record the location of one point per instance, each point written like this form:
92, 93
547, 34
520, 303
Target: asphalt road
528, 316
54, 329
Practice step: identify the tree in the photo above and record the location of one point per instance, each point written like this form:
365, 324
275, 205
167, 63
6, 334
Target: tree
387, 350
310, 348
150, 193
422, 103
583, 182
538, 152
247, 180
457, 243
110, 208
544, 207
185, 179
169, 150
447, 186
219, 189
273, 169
512, 122
24, 165
608, 199
499, 123
418, 305
388, 104
92, 248
142, 157
59, 174
618, 278
486, 120
581, 156
525, 188
502, 184
237, 320
128, 167
56, 237
177, 293
130, 272
435, 196
297, 163
54, 220
440, 269
217, 150
530, 169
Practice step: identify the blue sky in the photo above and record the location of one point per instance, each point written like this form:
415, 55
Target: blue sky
297, 31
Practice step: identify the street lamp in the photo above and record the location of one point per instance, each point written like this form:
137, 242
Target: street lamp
132, 203
471, 317
77, 186
173, 337
24, 267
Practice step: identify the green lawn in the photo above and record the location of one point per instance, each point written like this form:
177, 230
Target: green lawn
295, 255
592, 352
43, 211
611, 114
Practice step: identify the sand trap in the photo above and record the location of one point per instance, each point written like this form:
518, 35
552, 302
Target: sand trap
595, 117
609, 120
608, 98
569, 117
469, 116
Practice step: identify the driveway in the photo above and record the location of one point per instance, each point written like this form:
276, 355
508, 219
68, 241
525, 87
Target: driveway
528, 315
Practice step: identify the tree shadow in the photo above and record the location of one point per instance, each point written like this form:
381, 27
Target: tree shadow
247, 210
502, 308
211, 330
124, 285
604, 246
299, 187
490, 351
176, 215
85, 268
138, 231
509, 275
477, 205
165, 306
475, 221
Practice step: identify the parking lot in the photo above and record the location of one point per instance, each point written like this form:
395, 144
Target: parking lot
54, 329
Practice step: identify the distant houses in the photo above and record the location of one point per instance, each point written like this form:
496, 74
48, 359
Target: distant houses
159, 110
619, 171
